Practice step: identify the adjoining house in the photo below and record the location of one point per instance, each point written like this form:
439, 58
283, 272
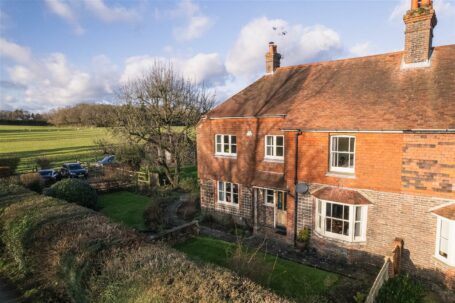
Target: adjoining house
373, 138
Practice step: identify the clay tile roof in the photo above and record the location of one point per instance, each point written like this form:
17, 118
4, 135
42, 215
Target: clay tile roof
269, 180
446, 212
341, 195
368, 93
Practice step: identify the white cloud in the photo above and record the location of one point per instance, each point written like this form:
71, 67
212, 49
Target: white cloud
208, 68
296, 43
111, 14
442, 7
44, 83
64, 11
361, 49
14, 51
195, 23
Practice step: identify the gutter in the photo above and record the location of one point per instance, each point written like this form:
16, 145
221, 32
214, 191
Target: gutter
406, 131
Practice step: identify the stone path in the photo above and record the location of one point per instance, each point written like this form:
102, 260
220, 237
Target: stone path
170, 212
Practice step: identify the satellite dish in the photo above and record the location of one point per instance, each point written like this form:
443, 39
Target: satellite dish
301, 188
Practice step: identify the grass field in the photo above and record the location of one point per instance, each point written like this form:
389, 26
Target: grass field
58, 144
124, 207
284, 277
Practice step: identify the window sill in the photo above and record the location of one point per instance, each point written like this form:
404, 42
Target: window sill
339, 239
443, 261
340, 175
226, 156
274, 160
228, 204
269, 204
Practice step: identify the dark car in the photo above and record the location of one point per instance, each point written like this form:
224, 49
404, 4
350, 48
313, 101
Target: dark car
49, 175
73, 170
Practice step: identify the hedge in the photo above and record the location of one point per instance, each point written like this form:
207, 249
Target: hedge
61, 252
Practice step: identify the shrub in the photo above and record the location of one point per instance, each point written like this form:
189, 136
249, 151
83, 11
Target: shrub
304, 234
74, 190
11, 162
61, 252
401, 289
43, 163
189, 184
5, 171
153, 216
32, 181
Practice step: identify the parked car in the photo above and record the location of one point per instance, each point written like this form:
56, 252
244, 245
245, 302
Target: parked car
73, 170
108, 159
50, 175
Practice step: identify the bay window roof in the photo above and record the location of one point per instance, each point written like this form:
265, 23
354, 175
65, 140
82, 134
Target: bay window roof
447, 212
341, 195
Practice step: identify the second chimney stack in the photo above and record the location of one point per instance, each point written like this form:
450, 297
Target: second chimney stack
272, 59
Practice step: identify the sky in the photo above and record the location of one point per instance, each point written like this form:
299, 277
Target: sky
57, 53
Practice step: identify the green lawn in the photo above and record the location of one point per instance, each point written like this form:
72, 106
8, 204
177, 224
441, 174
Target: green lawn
58, 144
286, 278
124, 207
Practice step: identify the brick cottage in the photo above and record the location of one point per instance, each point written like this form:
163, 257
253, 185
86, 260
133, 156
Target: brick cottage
372, 138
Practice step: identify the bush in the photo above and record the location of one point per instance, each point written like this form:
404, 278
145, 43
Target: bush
401, 289
11, 162
61, 252
32, 181
153, 217
74, 190
43, 163
304, 234
189, 184
5, 171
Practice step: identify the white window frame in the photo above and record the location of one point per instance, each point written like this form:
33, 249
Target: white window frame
224, 200
222, 144
333, 152
321, 221
274, 148
450, 259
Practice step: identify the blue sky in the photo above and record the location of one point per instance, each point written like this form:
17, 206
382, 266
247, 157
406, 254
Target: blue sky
57, 53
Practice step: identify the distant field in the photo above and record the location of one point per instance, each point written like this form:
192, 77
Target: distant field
58, 144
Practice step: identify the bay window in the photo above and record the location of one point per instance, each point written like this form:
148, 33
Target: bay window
341, 221
445, 241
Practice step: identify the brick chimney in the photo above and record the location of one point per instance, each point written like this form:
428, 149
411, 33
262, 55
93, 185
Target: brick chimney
420, 21
272, 59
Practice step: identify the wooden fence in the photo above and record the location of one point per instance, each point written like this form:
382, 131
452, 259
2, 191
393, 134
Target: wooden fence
390, 268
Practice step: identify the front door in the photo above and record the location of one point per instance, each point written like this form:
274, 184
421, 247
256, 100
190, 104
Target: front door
280, 209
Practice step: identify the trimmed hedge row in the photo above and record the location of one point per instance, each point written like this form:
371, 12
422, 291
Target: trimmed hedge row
61, 252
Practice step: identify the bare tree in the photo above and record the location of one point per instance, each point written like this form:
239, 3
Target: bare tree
161, 109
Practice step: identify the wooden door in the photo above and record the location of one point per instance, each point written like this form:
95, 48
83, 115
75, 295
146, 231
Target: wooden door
280, 209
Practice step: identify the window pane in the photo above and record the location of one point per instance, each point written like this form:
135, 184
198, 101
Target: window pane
218, 138
358, 213
233, 149
357, 229
319, 221
220, 195
346, 228
346, 212
328, 209
343, 160
269, 197
269, 140
351, 145
443, 247
337, 226
328, 225
236, 199
444, 229
279, 151
337, 211
279, 141
269, 151
228, 187
334, 144
235, 189
334, 159
351, 160
226, 139
218, 147
233, 139
285, 201
220, 185
343, 144
226, 148
319, 207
